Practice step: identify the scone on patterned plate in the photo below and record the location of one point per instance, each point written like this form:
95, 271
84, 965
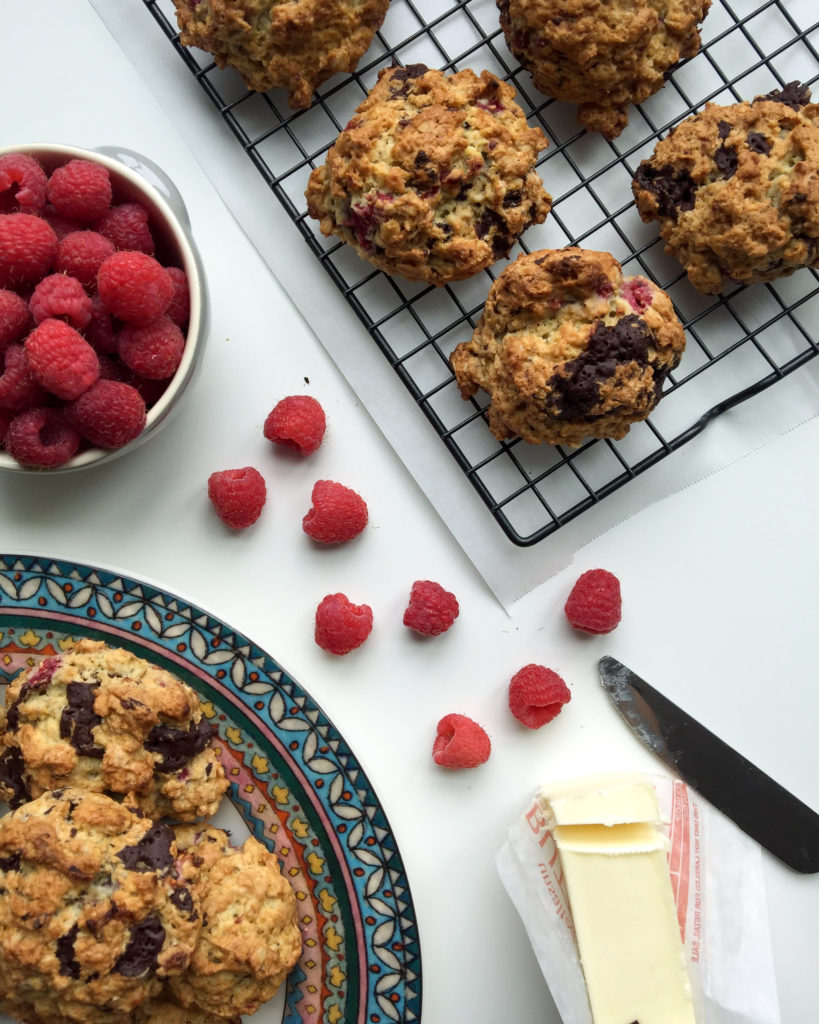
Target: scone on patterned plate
102, 719
295, 44
250, 939
602, 54
434, 176
97, 908
569, 349
735, 189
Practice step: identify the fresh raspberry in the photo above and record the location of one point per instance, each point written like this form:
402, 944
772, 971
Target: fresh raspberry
109, 414
537, 695
18, 388
15, 318
27, 248
152, 350
128, 227
81, 254
180, 308
595, 605
460, 743
297, 422
134, 287
22, 183
60, 297
80, 189
60, 359
238, 495
99, 330
340, 625
431, 609
338, 514
62, 225
42, 437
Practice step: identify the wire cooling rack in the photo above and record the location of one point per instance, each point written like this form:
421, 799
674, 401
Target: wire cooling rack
738, 343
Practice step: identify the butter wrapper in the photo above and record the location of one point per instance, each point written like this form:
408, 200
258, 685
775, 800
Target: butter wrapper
718, 886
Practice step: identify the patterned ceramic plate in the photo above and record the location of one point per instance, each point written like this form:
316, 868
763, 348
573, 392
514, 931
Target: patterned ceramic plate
294, 781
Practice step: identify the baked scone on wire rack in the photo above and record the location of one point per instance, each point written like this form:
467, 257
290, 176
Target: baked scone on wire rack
434, 176
601, 54
735, 190
292, 45
569, 349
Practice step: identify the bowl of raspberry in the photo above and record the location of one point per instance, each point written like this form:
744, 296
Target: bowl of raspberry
102, 305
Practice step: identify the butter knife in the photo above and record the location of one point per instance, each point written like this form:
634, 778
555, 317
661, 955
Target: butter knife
767, 812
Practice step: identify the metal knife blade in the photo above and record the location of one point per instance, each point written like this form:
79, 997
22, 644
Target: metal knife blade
767, 812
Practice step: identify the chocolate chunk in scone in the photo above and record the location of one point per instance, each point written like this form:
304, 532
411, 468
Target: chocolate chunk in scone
434, 176
296, 45
735, 189
602, 54
569, 349
98, 908
102, 719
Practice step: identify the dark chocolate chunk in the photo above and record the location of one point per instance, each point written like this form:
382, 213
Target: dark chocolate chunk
757, 143
723, 129
487, 220
793, 95
65, 953
726, 160
405, 77
151, 853
513, 198
10, 863
183, 901
12, 778
674, 190
177, 746
78, 719
143, 949
609, 346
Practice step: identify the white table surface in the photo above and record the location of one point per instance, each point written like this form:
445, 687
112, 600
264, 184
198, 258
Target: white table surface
719, 581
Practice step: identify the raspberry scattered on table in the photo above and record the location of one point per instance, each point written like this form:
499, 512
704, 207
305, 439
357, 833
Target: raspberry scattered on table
537, 695
297, 422
342, 626
431, 609
238, 495
595, 603
460, 743
337, 514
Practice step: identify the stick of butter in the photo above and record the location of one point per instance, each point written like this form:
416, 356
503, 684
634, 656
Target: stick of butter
613, 855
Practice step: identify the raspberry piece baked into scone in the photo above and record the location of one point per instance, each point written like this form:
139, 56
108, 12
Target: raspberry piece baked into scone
601, 54
97, 908
434, 176
100, 718
250, 938
294, 44
569, 349
735, 189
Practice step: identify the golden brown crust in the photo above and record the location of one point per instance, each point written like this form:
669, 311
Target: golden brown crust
102, 719
434, 176
735, 190
251, 939
569, 349
97, 907
295, 44
601, 54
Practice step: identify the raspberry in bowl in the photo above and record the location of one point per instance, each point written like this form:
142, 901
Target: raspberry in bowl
102, 304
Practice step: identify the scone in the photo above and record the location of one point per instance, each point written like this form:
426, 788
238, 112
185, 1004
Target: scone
295, 44
102, 719
568, 348
250, 939
97, 908
601, 54
434, 176
735, 190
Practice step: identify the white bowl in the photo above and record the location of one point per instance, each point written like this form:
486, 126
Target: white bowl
135, 178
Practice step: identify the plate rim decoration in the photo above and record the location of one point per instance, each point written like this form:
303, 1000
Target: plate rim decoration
294, 780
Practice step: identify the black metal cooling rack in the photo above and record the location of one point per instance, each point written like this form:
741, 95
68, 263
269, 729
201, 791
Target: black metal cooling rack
739, 343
